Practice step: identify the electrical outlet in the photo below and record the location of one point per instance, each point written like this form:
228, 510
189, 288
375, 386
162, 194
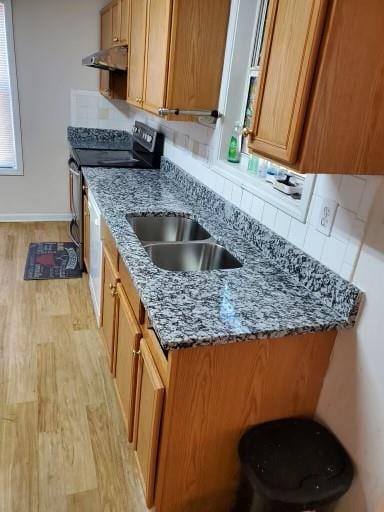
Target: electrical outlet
326, 216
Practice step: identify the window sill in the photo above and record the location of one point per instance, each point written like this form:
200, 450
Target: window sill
238, 174
6, 171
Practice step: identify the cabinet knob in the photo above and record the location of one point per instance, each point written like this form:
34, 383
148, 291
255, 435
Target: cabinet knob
246, 132
115, 39
136, 353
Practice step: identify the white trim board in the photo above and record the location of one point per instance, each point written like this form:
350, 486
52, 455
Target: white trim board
35, 217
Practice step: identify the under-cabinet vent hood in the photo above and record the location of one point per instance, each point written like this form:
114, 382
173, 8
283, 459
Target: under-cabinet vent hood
113, 59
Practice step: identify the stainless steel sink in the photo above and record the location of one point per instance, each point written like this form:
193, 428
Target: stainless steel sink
198, 256
175, 228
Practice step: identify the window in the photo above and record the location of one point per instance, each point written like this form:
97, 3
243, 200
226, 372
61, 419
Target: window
239, 86
10, 139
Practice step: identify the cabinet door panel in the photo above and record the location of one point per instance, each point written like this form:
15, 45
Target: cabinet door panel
128, 336
105, 42
116, 22
136, 49
293, 32
149, 403
157, 52
124, 21
110, 279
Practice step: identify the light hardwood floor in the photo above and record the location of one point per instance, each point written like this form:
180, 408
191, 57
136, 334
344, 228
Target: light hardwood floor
63, 445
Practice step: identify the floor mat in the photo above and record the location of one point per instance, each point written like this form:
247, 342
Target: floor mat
52, 260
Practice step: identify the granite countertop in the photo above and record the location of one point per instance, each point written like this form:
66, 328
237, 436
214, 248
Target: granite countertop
279, 290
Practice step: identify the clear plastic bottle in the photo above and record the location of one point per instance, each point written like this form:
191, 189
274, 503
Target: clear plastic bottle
234, 150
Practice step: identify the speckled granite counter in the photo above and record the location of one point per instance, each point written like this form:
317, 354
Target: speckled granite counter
279, 291
97, 138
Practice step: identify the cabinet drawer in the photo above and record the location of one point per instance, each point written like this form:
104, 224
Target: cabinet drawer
109, 243
130, 290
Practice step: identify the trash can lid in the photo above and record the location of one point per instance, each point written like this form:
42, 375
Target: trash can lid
296, 461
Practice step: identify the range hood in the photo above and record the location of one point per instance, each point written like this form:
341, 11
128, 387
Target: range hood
113, 59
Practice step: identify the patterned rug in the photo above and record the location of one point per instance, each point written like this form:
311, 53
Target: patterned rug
52, 260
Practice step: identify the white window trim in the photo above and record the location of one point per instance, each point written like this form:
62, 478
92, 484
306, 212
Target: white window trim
232, 103
19, 169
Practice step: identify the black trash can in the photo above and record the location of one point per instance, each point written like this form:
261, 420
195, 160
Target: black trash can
291, 465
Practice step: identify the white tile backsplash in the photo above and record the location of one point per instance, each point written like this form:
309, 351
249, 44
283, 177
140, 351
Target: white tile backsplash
269, 216
314, 242
282, 224
350, 192
297, 233
333, 254
189, 145
343, 224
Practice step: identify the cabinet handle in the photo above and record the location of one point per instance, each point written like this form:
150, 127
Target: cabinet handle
112, 287
136, 353
115, 39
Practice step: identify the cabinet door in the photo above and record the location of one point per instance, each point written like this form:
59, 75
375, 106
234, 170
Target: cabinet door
124, 21
116, 22
110, 279
127, 343
292, 37
149, 404
157, 53
105, 42
136, 49
86, 232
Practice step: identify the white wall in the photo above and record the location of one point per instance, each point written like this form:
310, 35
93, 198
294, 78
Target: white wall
51, 37
352, 400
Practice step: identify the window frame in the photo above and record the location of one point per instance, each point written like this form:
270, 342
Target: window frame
19, 169
233, 102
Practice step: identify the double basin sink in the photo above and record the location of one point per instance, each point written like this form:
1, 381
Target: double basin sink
178, 243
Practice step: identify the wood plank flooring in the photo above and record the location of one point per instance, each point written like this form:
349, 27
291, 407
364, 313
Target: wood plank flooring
63, 445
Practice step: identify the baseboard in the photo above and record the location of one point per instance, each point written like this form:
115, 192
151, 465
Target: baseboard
34, 217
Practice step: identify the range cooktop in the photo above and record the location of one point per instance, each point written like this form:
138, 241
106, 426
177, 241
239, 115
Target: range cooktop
106, 158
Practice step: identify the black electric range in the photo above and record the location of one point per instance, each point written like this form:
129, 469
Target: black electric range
146, 152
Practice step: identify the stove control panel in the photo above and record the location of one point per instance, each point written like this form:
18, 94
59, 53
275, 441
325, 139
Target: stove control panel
145, 136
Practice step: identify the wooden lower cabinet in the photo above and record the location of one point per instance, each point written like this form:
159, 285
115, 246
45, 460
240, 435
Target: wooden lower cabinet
149, 405
187, 410
127, 344
108, 308
86, 231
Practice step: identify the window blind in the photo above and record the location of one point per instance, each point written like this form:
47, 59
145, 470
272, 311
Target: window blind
7, 135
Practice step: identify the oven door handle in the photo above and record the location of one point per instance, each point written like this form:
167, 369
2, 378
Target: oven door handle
73, 222
74, 171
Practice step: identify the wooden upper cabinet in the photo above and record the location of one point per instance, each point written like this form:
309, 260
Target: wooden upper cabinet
124, 21
196, 55
106, 27
319, 106
345, 125
136, 51
127, 343
155, 81
292, 36
115, 24
148, 410
116, 20
184, 44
